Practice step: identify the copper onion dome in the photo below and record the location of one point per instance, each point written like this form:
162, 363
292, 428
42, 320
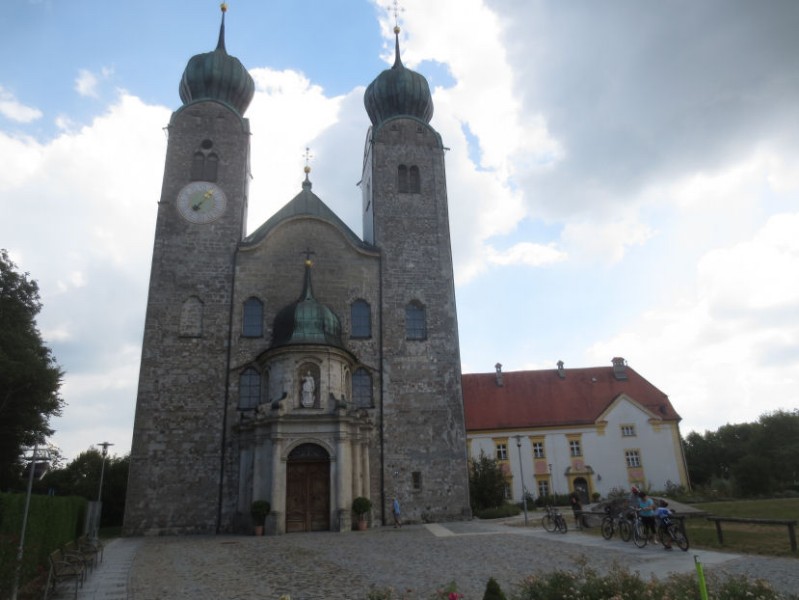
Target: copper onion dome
306, 321
398, 92
217, 76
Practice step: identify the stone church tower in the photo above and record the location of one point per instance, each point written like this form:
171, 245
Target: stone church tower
300, 364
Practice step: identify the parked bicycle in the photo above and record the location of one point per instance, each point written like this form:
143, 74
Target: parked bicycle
640, 535
674, 532
553, 520
621, 522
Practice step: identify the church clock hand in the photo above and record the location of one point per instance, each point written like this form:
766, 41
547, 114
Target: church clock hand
199, 204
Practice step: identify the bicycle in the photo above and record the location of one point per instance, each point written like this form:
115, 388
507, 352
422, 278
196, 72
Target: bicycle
674, 531
620, 522
554, 521
640, 535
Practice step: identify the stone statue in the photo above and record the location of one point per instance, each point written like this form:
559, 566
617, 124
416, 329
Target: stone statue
308, 389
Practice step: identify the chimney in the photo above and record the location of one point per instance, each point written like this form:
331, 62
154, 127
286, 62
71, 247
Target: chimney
620, 368
561, 370
498, 367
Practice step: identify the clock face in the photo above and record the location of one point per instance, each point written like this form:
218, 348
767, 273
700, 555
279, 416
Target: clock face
201, 202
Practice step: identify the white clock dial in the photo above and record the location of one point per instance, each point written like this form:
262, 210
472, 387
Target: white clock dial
201, 202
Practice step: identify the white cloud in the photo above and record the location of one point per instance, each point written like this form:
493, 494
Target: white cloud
603, 242
86, 83
731, 351
288, 110
14, 110
78, 214
526, 253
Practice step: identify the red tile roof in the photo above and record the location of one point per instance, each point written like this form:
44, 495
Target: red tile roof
544, 399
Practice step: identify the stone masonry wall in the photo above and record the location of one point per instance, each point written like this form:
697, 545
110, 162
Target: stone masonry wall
178, 431
424, 434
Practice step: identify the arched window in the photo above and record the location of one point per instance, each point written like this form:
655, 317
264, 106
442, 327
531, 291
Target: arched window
253, 318
204, 163
211, 165
402, 179
415, 321
414, 183
362, 388
197, 165
249, 389
361, 317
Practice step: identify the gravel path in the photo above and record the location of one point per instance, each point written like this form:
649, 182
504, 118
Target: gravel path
414, 560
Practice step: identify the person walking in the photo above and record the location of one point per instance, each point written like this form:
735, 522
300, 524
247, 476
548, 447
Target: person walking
395, 510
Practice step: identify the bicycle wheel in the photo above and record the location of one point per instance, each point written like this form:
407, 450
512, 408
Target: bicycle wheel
679, 538
639, 535
562, 527
625, 530
607, 528
548, 522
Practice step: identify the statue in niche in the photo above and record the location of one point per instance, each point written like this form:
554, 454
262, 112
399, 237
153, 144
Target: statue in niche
308, 389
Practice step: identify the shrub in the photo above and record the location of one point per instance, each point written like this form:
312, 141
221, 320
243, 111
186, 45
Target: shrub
620, 584
361, 505
259, 511
499, 512
493, 591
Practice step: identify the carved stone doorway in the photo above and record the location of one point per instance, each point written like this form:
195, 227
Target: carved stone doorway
308, 489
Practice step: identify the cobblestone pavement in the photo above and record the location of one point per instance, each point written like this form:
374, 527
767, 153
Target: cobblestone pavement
414, 560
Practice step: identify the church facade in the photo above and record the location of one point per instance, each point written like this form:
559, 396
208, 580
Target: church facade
300, 364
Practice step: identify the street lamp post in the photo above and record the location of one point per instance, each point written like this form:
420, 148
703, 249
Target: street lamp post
521, 471
20, 551
104, 446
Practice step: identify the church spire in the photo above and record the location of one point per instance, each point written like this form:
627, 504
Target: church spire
220, 45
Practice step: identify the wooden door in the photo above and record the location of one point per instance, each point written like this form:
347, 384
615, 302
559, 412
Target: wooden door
307, 496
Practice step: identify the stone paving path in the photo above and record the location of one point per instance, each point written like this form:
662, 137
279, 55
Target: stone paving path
414, 560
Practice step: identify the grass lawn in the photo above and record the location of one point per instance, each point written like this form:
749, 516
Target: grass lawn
740, 537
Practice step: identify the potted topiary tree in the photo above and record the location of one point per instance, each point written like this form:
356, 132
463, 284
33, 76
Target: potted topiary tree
259, 510
361, 506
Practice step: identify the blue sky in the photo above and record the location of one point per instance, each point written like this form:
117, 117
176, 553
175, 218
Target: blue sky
622, 176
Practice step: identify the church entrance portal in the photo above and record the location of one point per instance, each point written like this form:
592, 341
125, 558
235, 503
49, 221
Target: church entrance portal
308, 489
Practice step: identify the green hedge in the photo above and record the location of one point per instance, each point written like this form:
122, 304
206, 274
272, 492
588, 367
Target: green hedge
52, 521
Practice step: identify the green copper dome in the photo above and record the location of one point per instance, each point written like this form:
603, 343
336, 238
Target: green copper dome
217, 76
306, 321
398, 92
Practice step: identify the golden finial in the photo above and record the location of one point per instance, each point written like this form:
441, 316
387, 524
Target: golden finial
223, 6
308, 157
308, 253
397, 9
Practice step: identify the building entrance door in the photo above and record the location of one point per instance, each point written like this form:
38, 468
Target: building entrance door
581, 487
308, 489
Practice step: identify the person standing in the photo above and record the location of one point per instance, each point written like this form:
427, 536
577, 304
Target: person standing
395, 510
647, 506
577, 509
663, 515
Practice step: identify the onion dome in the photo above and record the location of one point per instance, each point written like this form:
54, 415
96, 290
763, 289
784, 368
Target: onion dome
217, 76
398, 92
306, 321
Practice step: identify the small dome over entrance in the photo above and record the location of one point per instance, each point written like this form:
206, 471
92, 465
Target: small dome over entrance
307, 321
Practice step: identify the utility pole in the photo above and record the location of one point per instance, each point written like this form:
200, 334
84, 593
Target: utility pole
521, 471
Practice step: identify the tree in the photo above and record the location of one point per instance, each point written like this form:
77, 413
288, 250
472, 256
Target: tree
29, 376
486, 483
81, 477
754, 458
